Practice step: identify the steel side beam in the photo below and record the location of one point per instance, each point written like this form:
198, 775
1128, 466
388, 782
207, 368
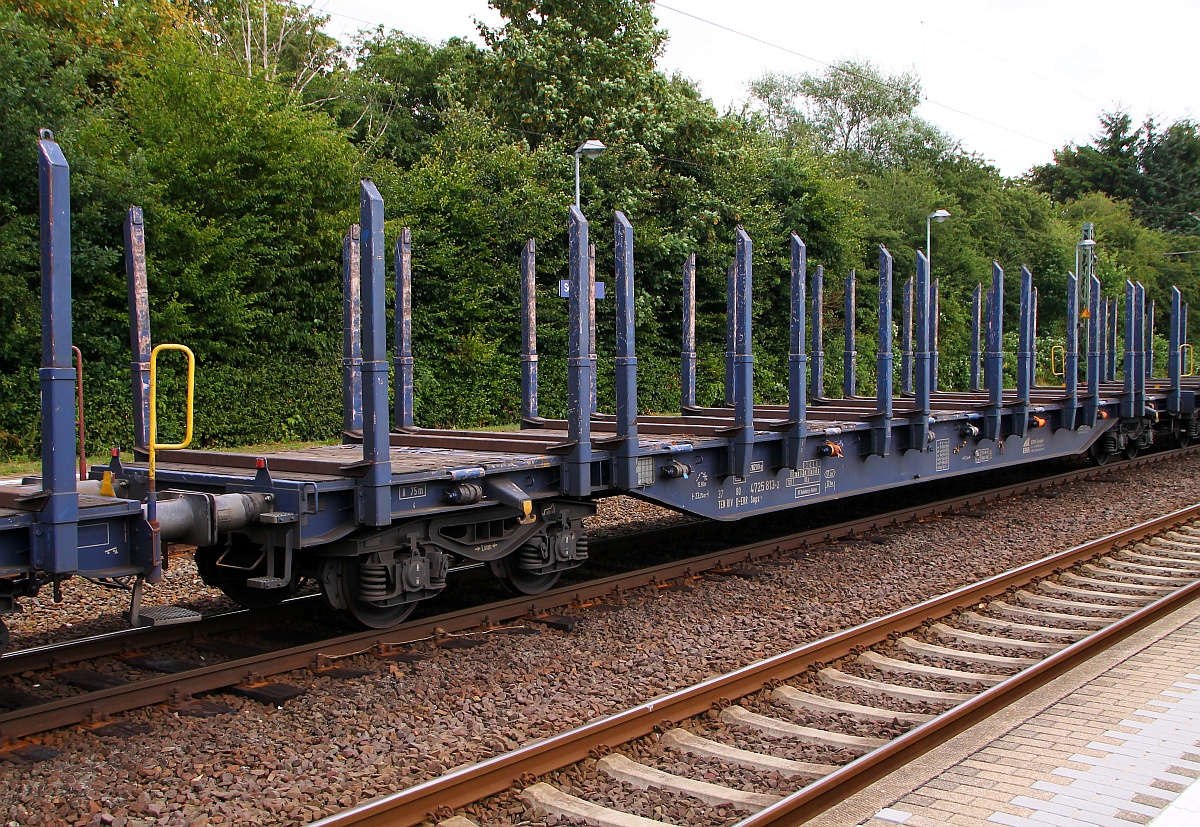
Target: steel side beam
375, 488
54, 544
849, 353
577, 471
935, 315
730, 335
1071, 354
976, 305
1128, 408
403, 416
1095, 364
816, 388
687, 356
906, 338
529, 353
994, 358
352, 389
139, 324
919, 435
881, 431
1020, 419
797, 359
741, 451
625, 460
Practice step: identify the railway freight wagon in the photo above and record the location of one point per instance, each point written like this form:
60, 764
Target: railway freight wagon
381, 520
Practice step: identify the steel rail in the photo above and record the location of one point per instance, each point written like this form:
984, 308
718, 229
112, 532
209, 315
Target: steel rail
173, 687
874, 766
56, 655
471, 783
122, 641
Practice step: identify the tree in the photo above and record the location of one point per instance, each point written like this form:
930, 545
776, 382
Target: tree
278, 42
850, 106
1170, 185
394, 100
570, 70
1110, 166
1156, 171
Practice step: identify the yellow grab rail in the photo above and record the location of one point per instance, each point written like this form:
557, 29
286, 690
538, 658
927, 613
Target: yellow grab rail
1191, 359
191, 396
1063, 351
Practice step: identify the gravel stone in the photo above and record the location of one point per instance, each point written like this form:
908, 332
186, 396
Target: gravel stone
347, 741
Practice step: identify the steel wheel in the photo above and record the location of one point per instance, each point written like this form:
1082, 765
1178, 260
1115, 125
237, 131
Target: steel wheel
340, 582
514, 571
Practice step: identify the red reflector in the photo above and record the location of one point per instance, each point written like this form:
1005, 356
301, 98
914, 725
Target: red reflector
260, 463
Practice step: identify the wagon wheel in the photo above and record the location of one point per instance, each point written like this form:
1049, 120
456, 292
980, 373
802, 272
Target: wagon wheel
515, 571
341, 582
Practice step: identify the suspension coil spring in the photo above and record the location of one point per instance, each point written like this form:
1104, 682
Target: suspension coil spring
531, 556
373, 582
1108, 443
581, 548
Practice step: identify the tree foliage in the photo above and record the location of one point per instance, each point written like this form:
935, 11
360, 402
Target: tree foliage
280, 43
1157, 171
851, 108
242, 130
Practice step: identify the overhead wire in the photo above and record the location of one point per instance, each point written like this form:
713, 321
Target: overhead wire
851, 72
881, 83
875, 80
1012, 63
363, 99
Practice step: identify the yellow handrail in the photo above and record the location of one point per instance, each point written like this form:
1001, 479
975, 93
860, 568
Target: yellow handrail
1063, 351
191, 396
1191, 358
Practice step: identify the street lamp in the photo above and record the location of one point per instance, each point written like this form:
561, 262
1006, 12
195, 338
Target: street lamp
1083, 255
590, 149
939, 216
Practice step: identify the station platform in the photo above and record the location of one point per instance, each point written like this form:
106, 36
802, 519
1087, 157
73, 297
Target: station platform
1115, 743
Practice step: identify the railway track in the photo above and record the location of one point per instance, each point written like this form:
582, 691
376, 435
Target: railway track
936, 669
152, 671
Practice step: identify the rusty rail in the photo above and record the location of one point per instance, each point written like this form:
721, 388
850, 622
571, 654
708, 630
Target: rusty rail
471, 783
67, 711
840, 785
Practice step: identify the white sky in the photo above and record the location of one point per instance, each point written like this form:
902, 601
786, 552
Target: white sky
1012, 79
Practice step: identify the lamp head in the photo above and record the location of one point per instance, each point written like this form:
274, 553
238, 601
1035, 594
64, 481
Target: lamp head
939, 216
590, 148
1088, 242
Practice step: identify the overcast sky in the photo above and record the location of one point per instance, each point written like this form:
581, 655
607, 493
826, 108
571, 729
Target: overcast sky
1012, 79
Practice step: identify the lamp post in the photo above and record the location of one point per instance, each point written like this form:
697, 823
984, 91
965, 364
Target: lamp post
1083, 267
939, 216
1083, 271
1085, 245
589, 149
